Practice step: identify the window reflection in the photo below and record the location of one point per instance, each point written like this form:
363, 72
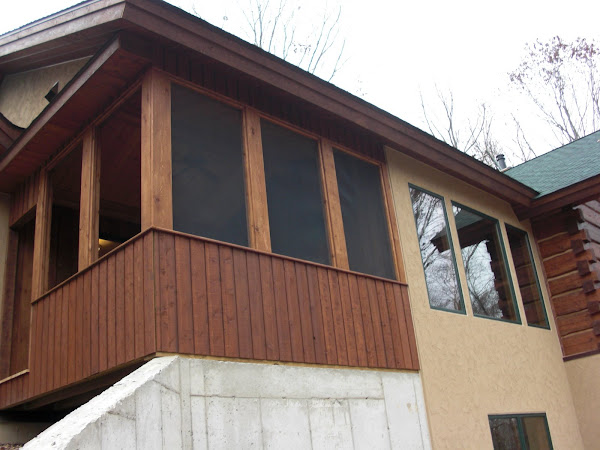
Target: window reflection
483, 257
437, 253
527, 277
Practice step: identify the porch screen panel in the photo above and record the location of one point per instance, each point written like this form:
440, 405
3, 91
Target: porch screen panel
208, 174
294, 195
364, 216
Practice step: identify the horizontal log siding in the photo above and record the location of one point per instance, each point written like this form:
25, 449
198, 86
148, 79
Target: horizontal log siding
568, 243
164, 291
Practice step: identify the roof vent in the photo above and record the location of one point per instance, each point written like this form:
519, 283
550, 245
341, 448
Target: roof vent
52, 92
501, 162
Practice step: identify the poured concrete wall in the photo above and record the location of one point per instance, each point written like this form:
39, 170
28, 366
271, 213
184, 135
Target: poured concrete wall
471, 366
584, 376
177, 402
22, 94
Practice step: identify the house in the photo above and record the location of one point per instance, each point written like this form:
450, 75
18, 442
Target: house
258, 258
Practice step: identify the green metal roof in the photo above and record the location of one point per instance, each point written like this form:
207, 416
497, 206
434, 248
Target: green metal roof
561, 167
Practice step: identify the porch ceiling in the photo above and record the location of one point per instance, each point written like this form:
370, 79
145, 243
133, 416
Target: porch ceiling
94, 88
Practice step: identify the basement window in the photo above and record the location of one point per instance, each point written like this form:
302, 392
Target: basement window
437, 252
529, 284
520, 432
482, 250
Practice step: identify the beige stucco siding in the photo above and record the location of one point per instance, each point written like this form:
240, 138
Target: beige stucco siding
471, 366
22, 94
584, 376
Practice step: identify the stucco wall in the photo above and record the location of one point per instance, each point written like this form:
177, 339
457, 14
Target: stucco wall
584, 377
472, 366
22, 94
4, 211
177, 402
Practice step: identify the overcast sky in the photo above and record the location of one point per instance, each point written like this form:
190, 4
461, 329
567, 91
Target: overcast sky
397, 49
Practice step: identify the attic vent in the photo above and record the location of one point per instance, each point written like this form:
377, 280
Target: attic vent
52, 92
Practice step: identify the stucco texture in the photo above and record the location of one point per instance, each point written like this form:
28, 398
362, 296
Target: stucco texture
22, 94
584, 376
472, 366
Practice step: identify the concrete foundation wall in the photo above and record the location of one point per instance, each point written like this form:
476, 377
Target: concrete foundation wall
22, 94
472, 367
584, 377
177, 402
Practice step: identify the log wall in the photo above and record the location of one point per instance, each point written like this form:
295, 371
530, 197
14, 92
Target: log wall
569, 243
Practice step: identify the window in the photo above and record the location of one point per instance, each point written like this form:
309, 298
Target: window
364, 216
520, 432
488, 280
529, 284
294, 194
208, 170
437, 253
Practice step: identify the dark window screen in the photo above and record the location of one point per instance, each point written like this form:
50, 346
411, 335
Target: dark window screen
208, 171
363, 213
294, 196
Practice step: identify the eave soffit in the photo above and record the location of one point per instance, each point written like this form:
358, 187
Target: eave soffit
84, 27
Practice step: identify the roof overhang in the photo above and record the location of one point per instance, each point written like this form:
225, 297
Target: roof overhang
83, 28
572, 195
94, 88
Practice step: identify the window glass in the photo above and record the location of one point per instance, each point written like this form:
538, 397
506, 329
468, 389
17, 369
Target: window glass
364, 216
437, 253
536, 434
208, 173
527, 277
505, 433
520, 431
294, 195
482, 252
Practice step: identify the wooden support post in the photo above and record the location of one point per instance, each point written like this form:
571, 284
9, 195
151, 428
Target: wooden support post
157, 184
41, 249
259, 233
392, 224
333, 209
89, 206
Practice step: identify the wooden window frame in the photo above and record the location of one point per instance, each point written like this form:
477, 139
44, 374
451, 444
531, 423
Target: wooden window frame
255, 183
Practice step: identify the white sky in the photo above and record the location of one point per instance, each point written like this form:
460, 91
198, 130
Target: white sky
399, 48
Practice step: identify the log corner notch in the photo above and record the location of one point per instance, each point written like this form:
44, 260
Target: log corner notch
569, 243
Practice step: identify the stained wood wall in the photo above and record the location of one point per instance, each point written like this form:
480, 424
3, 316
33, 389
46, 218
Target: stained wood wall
569, 243
164, 291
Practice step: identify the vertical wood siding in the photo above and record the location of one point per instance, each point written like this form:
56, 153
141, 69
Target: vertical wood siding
165, 291
24, 199
239, 303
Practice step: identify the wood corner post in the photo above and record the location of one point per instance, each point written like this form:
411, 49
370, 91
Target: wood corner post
89, 206
41, 249
259, 233
157, 184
